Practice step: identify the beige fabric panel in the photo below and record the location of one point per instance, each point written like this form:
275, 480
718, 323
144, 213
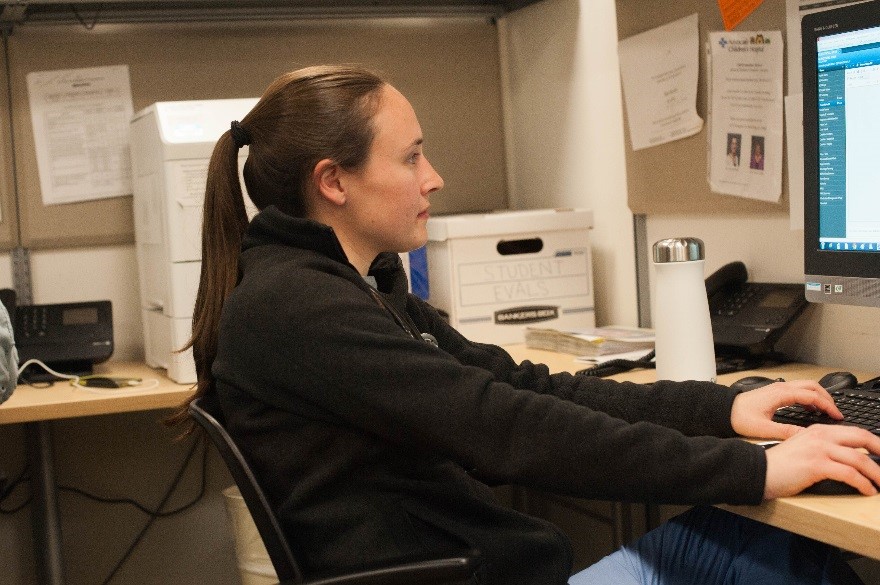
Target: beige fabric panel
672, 177
8, 229
448, 68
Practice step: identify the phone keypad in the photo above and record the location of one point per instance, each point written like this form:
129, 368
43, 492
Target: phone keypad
734, 303
33, 322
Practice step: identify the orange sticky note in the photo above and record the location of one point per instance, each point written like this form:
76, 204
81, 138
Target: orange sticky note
734, 12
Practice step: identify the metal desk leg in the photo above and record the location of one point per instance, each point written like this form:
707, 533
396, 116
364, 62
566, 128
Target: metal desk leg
652, 517
45, 517
621, 523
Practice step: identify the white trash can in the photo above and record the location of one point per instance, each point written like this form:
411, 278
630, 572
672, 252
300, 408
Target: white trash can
254, 564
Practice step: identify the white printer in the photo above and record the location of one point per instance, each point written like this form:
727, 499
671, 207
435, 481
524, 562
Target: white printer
171, 144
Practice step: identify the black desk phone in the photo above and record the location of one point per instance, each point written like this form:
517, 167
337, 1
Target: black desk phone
748, 317
67, 337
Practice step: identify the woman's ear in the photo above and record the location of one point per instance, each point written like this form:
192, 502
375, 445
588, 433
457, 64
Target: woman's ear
326, 178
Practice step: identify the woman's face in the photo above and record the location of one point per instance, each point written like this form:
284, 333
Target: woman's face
387, 200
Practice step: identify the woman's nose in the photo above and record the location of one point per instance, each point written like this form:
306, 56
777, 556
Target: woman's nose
433, 181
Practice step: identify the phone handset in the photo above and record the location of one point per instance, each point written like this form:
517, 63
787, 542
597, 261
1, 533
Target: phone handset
733, 273
749, 317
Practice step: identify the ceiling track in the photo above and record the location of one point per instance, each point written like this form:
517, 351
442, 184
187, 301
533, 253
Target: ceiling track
90, 13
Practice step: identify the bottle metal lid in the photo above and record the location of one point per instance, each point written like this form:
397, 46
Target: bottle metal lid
679, 250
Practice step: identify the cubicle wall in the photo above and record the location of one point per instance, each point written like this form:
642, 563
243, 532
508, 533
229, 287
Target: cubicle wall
671, 178
8, 217
456, 64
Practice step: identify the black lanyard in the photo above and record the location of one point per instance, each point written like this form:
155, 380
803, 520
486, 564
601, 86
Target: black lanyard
401, 320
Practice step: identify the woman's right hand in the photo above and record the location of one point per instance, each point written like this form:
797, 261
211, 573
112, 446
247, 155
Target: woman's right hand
823, 452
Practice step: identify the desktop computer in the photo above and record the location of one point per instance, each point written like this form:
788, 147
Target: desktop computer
841, 92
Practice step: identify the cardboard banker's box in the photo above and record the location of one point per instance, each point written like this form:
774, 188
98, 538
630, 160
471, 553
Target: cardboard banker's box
497, 273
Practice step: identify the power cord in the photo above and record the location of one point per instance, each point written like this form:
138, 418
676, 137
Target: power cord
7, 488
168, 494
10, 487
36, 362
157, 513
96, 384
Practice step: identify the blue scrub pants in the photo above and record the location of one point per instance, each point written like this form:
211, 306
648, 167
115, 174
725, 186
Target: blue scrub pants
708, 546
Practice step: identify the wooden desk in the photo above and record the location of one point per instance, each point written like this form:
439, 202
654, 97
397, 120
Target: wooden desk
36, 407
61, 400
849, 522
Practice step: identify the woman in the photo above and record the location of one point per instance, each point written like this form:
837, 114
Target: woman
376, 445
757, 161
733, 150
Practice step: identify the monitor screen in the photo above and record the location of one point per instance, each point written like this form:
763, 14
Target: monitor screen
841, 61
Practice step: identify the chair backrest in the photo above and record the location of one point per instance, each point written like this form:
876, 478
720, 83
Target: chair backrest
432, 571
206, 411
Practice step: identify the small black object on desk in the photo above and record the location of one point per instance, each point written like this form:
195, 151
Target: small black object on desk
834, 381
753, 382
724, 364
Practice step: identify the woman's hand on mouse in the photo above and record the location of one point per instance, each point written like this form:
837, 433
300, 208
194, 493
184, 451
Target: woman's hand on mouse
822, 452
752, 412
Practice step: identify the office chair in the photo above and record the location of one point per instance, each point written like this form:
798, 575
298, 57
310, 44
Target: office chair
206, 411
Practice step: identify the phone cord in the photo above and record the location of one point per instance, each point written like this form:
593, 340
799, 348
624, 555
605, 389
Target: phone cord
618, 366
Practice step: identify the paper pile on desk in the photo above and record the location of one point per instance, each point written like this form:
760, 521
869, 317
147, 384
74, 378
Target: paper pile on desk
597, 341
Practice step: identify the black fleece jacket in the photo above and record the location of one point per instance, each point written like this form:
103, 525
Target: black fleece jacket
374, 445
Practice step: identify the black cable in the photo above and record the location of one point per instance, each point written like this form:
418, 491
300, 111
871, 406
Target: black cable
618, 366
9, 488
141, 507
87, 25
171, 489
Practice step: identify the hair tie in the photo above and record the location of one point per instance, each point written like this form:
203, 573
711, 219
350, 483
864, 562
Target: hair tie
240, 136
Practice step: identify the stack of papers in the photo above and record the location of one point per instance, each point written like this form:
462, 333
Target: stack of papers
595, 342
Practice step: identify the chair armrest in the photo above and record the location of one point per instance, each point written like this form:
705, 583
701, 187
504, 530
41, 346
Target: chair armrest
429, 572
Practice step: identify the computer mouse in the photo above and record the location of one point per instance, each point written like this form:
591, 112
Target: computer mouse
752, 382
832, 487
833, 381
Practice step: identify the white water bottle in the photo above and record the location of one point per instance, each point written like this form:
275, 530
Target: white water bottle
683, 329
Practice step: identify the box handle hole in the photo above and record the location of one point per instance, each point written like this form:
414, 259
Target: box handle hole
524, 246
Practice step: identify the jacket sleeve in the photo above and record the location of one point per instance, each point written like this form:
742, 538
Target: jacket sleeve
328, 350
694, 408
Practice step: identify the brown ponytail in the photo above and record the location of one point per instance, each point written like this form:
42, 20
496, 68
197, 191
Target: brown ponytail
304, 117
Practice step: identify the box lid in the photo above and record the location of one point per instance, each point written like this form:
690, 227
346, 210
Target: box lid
496, 223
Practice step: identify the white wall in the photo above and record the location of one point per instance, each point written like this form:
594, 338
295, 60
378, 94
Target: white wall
90, 274
564, 132
85, 274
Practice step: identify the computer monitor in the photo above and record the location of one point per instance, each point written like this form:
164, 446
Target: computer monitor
841, 77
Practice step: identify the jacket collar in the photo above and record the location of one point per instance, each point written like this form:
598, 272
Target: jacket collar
273, 227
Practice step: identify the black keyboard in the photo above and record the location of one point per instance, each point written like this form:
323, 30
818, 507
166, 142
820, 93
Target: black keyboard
860, 408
